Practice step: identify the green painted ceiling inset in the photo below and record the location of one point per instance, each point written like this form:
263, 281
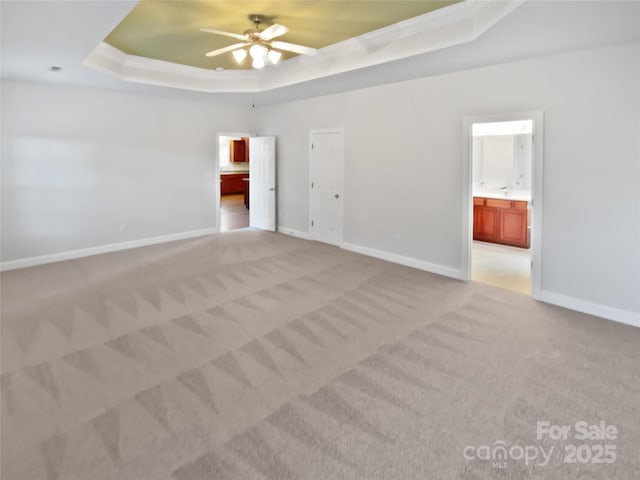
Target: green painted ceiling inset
169, 30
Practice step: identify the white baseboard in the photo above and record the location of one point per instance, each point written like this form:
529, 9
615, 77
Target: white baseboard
610, 313
294, 233
407, 261
112, 247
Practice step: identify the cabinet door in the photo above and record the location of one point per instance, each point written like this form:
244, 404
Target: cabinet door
514, 227
231, 183
485, 223
238, 187
238, 151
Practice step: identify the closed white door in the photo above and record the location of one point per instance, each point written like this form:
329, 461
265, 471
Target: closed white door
326, 160
262, 183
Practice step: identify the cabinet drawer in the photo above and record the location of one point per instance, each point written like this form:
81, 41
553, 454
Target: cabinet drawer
518, 205
478, 201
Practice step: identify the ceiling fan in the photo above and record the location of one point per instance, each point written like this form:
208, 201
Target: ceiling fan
261, 45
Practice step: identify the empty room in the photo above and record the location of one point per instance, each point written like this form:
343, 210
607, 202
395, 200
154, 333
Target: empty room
303, 239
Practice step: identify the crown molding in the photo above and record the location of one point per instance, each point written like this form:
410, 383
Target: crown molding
457, 24
132, 68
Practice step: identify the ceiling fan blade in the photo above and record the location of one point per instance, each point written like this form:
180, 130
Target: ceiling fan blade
237, 36
273, 31
220, 51
292, 47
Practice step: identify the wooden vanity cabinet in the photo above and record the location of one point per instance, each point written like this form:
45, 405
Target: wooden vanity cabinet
501, 221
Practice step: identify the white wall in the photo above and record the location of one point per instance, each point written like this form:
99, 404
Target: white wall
79, 162
403, 153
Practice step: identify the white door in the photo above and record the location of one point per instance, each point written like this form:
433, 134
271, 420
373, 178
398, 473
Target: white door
262, 183
326, 160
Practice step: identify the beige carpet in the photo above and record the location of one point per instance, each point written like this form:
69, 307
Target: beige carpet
253, 355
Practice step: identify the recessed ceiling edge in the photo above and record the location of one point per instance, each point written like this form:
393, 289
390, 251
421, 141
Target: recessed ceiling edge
457, 24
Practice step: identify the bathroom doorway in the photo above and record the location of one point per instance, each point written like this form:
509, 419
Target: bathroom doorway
504, 165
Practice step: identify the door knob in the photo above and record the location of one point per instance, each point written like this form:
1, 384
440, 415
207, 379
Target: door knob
337, 196
271, 189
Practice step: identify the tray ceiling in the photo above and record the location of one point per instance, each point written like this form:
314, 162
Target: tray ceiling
170, 30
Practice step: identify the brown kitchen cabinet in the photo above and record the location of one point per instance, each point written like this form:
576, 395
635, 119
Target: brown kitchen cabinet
232, 183
501, 221
239, 150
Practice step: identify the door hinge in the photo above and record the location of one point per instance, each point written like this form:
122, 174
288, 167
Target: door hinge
312, 223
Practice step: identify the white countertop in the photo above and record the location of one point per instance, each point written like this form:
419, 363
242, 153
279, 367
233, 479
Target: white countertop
516, 195
239, 167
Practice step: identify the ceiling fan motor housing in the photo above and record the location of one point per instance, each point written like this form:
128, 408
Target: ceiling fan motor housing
254, 33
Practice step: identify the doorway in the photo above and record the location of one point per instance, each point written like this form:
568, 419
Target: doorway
326, 164
233, 173
503, 173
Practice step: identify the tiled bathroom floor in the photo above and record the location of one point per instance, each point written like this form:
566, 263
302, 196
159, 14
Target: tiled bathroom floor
501, 266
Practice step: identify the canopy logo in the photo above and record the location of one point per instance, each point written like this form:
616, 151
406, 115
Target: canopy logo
593, 449
500, 453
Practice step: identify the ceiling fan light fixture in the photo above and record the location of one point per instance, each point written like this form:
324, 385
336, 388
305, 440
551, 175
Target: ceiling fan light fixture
259, 44
240, 55
258, 51
274, 56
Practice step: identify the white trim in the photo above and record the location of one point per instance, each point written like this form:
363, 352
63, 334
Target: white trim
111, 247
537, 191
294, 233
609, 313
321, 131
132, 68
407, 261
454, 25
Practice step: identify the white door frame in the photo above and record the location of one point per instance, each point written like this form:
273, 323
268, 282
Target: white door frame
321, 131
217, 169
536, 190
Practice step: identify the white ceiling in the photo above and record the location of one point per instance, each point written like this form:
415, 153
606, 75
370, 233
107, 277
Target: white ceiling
38, 34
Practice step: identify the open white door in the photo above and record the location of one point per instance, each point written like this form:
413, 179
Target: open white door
326, 159
262, 183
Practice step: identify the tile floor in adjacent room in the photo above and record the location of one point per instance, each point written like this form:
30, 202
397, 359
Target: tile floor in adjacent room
502, 266
234, 215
